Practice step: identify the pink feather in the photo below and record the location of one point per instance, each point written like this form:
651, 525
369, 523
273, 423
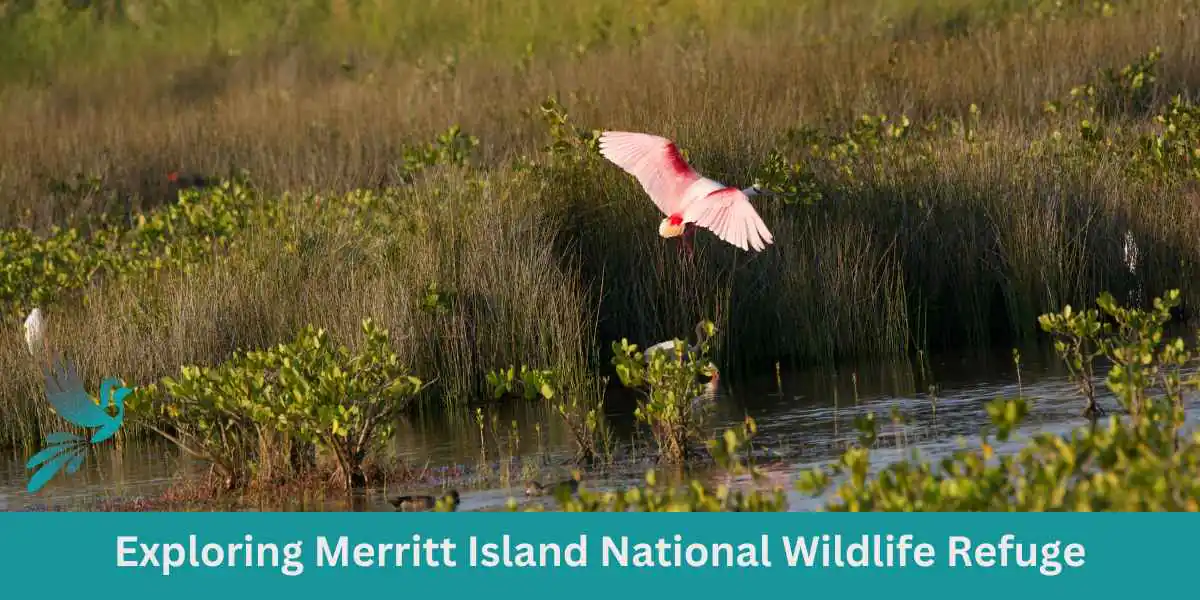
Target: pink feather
678, 190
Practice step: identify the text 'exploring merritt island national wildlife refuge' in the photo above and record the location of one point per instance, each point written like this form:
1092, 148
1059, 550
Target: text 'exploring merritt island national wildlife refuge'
824, 551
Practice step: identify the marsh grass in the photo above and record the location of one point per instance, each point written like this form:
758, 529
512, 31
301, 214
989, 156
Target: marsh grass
726, 80
512, 302
949, 238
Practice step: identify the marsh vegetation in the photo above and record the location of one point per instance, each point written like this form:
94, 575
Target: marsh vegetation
289, 238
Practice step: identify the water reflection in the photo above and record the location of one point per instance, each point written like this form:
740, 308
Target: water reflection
804, 419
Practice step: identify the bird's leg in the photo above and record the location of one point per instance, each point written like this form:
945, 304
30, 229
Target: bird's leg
689, 231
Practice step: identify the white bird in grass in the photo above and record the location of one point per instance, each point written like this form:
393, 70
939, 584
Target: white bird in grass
709, 394
35, 332
669, 345
1130, 255
1130, 251
687, 198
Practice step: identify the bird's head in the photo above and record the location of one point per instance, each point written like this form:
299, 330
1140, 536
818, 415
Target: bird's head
758, 189
671, 226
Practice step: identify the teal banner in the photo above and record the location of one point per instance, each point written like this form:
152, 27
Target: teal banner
202, 555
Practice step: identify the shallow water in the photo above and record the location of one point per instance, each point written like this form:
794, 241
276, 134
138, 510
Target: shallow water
804, 419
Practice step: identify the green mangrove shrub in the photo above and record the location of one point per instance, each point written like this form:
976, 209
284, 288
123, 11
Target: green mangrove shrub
673, 405
1166, 152
213, 414
306, 393
1139, 463
36, 270
585, 421
345, 402
1077, 335
1174, 145
1132, 340
1143, 462
451, 147
525, 382
582, 418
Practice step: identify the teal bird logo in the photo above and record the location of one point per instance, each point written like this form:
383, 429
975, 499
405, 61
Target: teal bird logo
65, 391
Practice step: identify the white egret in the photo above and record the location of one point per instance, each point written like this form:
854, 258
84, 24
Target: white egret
1130, 251
669, 345
35, 332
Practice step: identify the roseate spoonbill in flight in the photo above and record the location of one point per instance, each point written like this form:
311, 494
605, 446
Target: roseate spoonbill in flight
687, 198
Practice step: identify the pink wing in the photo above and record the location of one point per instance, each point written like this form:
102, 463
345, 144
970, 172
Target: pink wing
654, 161
728, 213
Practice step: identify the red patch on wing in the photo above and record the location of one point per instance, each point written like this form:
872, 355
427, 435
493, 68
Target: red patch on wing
675, 160
675, 219
173, 176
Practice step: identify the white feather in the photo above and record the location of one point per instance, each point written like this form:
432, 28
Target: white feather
35, 331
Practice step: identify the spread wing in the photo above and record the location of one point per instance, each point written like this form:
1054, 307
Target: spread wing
654, 161
728, 213
65, 391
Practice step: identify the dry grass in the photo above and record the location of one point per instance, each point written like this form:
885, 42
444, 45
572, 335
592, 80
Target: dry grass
287, 111
937, 243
